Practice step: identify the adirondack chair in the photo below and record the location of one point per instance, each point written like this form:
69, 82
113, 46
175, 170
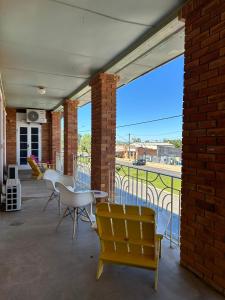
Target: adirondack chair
128, 236
36, 171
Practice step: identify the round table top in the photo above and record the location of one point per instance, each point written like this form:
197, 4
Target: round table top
99, 194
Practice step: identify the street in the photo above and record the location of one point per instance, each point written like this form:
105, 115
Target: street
151, 169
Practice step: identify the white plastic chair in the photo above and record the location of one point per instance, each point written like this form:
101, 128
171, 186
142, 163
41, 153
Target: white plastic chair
75, 203
54, 193
50, 177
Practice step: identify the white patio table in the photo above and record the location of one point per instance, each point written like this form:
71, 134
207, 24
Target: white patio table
97, 195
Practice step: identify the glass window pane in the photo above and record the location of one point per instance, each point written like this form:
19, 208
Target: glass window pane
34, 146
23, 153
23, 161
35, 153
23, 130
34, 138
34, 130
23, 138
23, 146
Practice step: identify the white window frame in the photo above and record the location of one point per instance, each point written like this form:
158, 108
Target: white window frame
29, 126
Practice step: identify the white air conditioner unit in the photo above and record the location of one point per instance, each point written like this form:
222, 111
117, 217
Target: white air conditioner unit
12, 172
36, 116
13, 195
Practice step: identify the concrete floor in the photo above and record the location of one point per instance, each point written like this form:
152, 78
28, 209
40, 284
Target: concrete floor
36, 262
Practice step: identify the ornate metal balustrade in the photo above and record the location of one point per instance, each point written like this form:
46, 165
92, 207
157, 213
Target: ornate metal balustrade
59, 161
82, 171
139, 186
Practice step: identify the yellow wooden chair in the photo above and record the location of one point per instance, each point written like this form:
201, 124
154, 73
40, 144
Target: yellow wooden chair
36, 172
128, 236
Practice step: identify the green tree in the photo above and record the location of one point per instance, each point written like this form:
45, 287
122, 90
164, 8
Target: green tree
177, 142
136, 140
85, 143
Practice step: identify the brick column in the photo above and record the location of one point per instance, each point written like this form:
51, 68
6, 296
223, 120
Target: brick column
70, 135
46, 142
55, 135
11, 135
203, 174
2, 138
103, 95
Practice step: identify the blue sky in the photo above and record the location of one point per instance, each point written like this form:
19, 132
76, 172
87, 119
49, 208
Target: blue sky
155, 95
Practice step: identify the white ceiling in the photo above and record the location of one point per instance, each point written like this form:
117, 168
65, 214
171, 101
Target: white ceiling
61, 44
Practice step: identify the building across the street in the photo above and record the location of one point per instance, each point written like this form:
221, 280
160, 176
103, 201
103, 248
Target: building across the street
154, 152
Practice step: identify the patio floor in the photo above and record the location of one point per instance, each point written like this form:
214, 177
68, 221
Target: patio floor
39, 263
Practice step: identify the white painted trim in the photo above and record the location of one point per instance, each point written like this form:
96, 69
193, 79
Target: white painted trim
29, 126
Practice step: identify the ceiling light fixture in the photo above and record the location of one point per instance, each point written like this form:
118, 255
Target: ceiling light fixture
41, 90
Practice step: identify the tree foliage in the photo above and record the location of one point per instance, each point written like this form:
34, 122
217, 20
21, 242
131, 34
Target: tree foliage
136, 140
177, 142
85, 143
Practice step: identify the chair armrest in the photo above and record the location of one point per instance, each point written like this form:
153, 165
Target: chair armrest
159, 237
95, 227
67, 180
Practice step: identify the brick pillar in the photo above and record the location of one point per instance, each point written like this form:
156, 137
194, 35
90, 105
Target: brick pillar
11, 135
103, 95
55, 135
46, 142
2, 138
70, 135
203, 173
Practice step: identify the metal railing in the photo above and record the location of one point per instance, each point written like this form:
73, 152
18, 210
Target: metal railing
140, 186
162, 192
59, 161
82, 171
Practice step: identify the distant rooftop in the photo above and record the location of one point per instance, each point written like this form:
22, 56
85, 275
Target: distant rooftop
152, 145
133, 146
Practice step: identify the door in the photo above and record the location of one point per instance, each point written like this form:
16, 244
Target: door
28, 143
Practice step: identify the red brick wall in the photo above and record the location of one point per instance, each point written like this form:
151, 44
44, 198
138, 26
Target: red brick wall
46, 138
11, 135
103, 95
55, 134
142, 151
70, 135
2, 137
203, 178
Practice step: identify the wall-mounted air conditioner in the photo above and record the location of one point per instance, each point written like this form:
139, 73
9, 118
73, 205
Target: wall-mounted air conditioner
36, 116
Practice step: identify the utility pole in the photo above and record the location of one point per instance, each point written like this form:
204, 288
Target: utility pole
129, 147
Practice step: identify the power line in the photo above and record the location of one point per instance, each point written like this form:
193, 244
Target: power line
122, 138
150, 135
143, 122
149, 121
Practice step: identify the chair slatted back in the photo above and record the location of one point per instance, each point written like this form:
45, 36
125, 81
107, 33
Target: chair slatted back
125, 229
34, 166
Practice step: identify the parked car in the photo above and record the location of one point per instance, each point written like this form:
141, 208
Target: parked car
139, 162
